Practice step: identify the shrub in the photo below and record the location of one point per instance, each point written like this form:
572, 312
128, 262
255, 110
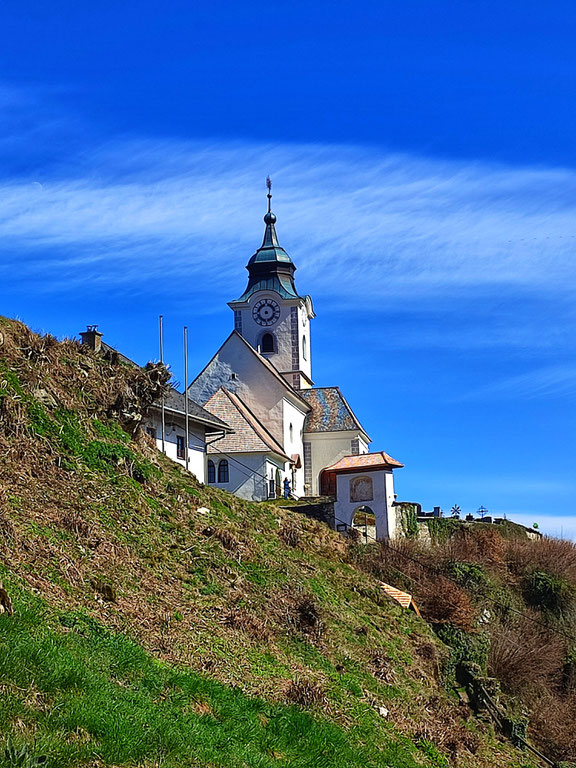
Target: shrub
468, 575
443, 602
442, 528
554, 556
548, 592
465, 648
525, 656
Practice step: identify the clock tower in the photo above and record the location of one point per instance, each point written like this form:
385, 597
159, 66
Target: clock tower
270, 314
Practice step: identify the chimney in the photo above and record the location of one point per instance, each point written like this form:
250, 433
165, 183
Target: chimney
92, 337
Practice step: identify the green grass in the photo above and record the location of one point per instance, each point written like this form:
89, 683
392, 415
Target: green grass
77, 691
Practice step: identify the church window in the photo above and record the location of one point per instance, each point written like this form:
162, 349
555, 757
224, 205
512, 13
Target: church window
304, 349
179, 446
291, 432
211, 471
355, 446
223, 474
267, 345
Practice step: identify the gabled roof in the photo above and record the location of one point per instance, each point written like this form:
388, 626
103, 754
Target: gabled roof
175, 401
379, 460
330, 411
250, 436
268, 365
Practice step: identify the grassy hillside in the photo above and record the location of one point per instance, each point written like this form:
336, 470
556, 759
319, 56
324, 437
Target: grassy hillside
161, 622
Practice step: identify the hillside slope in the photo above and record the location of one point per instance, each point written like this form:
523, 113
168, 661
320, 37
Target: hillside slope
161, 622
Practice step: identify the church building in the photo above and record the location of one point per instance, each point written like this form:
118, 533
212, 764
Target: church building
260, 384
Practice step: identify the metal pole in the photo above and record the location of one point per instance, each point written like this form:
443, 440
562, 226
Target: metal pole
186, 393
162, 401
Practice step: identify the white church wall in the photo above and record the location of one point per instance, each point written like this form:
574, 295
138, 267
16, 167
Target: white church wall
175, 427
283, 329
236, 368
327, 448
248, 474
348, 503
253, 331
292, 441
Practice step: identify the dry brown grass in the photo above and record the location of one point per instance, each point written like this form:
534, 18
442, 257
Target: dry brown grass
525, 657
552, 726
553, 556
306, 692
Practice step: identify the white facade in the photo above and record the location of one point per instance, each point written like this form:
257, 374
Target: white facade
249, 474
326, 448
236, 367
175, 429
287, 322
294, 418
373, 489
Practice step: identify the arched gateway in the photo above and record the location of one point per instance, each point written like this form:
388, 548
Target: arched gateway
364, 478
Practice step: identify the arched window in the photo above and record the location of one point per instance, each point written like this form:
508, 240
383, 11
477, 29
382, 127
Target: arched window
211, 471
223, 471
267, 345
304, 349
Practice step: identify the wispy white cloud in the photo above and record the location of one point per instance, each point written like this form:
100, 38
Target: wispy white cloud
553, 381
388, 225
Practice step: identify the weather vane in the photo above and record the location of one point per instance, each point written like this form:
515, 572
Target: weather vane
269, 187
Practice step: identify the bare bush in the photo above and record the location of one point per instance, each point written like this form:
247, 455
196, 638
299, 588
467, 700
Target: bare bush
304, 614
554, 556
443, 602
525, 657
480, 544
552, 726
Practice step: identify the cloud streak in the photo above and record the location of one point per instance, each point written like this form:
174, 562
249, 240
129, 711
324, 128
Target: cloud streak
388, 225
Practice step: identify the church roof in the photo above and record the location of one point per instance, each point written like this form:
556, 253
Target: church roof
270, 268
379, 460
330, 411
176, 401
250, 436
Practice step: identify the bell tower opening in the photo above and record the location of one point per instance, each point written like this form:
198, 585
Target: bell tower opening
267, 345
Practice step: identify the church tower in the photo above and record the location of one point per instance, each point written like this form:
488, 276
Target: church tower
270, 314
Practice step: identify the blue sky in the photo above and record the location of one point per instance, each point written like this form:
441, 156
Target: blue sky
424, 170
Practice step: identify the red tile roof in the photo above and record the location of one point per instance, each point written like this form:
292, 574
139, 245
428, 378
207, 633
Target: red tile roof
249, 436
378, 460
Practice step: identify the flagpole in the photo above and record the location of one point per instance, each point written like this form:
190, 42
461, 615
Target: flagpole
186, 394
163, 420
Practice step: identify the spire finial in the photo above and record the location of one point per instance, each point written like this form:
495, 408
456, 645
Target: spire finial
269, 218
269, 187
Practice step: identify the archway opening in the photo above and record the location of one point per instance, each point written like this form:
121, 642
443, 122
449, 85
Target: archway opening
364, 521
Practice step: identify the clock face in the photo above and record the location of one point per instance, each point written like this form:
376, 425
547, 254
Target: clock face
266, 312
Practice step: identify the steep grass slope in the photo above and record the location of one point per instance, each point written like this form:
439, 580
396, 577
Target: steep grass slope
160, 622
